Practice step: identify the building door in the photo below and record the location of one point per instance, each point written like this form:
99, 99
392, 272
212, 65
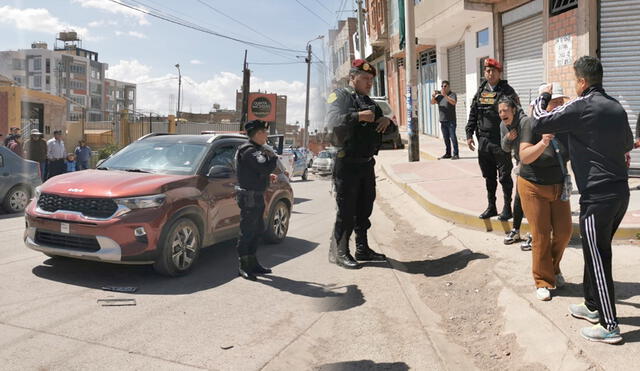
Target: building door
458, 83
523, 41
428, 79
619, 45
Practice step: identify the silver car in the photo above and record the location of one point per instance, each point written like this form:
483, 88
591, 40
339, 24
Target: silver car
18, 179
323, 163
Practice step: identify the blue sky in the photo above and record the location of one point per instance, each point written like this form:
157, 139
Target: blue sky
141, 48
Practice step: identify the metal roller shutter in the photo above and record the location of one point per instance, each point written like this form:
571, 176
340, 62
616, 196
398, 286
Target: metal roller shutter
458, 83
619, 46
523, 64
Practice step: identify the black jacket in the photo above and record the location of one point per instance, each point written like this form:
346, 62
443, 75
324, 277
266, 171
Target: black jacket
254, 164
599, 137
484, 121
357, 139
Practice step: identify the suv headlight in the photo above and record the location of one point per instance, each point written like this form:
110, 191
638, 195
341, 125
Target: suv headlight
36, 194
144, 202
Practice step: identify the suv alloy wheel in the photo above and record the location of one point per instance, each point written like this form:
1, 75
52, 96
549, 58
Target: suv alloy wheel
179, 249
278, 223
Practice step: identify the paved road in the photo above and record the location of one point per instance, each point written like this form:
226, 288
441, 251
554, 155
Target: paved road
307, 315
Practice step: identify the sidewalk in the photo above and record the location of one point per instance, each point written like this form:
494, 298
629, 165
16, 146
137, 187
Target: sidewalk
454, 189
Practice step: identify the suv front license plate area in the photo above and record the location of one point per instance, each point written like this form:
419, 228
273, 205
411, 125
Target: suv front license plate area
64, 228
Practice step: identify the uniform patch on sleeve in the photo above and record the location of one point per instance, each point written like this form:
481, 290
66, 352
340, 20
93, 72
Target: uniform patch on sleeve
332, 97
260, 157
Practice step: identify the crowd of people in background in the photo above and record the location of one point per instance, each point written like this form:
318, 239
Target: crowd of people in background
50, 154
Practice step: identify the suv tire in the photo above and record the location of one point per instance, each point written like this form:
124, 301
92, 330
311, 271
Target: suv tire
16, 199
277, 223
179, 248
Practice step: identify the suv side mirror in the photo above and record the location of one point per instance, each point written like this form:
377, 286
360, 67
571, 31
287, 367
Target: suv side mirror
219, 171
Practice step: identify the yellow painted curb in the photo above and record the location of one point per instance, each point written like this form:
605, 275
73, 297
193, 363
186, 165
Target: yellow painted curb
472, 221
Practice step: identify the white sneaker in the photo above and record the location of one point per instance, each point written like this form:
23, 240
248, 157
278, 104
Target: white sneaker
542, 293
560, 280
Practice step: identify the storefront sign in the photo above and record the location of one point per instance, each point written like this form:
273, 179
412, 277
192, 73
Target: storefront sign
564, 51
262, 107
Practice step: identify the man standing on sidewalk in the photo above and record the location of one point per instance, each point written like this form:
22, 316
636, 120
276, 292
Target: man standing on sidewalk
599, 139
484, 122
37, 151
446, 101
357, 124
55, 155
83, 155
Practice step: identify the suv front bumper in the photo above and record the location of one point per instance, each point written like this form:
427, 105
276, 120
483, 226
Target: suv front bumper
109, 251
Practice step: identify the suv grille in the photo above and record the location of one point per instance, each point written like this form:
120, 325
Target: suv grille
92, 207
68, 241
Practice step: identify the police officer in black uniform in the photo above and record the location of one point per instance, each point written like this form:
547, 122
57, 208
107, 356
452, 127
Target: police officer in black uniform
484, 122
254, 163
357, 124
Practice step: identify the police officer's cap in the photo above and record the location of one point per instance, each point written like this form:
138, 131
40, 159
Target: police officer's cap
256, 125
361, 65
490, 62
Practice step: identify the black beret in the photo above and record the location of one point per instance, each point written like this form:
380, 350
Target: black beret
256, 125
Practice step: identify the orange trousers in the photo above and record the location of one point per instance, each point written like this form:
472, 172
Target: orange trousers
550, 222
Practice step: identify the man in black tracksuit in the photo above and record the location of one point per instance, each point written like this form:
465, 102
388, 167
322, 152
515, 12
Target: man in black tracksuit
484, 122
599, 139
357, 124
254, 164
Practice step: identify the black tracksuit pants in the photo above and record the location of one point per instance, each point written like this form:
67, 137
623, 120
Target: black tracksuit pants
598, 223
495, 165
355, 187
251, 222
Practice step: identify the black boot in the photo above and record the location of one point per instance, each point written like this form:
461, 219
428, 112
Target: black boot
343, 256
489, 212
246, 268
364, 252
506, 213
257, 267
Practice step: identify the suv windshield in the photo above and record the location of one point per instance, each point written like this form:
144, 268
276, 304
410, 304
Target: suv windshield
324, 155
154, 157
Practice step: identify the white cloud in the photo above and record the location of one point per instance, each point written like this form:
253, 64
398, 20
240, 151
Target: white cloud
201, 95
111, 7
196, 61
138, 35
39, 20
102, 23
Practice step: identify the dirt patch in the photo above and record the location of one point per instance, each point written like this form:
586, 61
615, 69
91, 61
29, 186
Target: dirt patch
459, 286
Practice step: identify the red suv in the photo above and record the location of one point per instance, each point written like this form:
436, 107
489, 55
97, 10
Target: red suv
157, 201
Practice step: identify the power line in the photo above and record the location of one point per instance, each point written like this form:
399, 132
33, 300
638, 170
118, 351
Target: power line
153, 81
180, 22
239, 22
322, 5
312, 12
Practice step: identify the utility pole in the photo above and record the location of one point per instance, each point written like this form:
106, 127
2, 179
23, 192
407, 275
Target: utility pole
361, 34
246, 77
306, 106
179, 89
410, 70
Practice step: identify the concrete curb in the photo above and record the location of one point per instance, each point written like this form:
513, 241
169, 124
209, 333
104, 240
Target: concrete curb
472, 221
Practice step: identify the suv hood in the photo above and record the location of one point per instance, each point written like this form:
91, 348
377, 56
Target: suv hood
109, 183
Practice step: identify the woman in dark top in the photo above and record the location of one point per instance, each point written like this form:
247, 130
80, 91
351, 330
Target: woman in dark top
540, 184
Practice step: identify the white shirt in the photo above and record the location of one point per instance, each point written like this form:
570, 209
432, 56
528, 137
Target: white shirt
55, 149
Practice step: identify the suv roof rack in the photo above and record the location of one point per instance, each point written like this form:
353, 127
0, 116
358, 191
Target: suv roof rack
152, 135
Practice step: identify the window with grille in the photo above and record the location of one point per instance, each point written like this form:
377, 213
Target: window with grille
561, 6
